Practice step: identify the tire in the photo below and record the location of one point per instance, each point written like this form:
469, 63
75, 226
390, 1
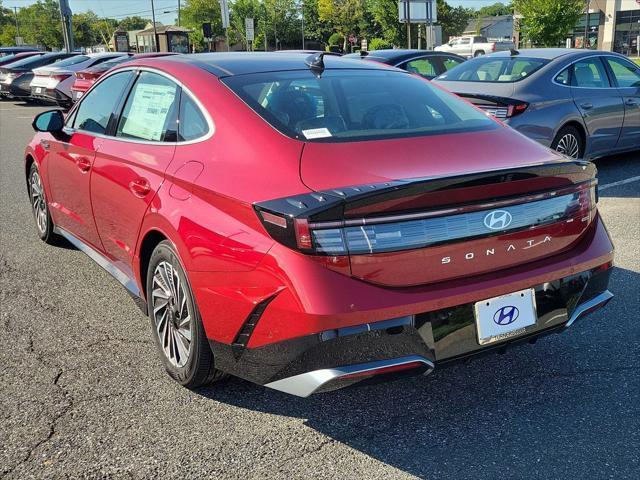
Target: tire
40, 207
569, 141
479, 53
190, 363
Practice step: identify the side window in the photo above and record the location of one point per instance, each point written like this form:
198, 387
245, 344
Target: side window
151, 110
450, 62
564, 77
465, 41
590, 73
96, 108
423, 67
626, 74
192, 123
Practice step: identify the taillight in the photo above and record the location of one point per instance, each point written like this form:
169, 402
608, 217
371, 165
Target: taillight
315, 223
61, 76
493, 47
516, 109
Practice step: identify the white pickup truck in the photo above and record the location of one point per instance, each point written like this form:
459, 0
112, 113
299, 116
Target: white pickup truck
473, 46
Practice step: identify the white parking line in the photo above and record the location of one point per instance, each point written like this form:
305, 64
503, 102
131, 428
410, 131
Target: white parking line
621, 182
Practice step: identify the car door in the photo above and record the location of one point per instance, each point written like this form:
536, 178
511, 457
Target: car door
599, 103
627, 79
130, 165
71, 157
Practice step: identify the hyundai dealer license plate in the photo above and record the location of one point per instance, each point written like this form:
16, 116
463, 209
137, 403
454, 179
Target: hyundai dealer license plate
506, 316
38, 90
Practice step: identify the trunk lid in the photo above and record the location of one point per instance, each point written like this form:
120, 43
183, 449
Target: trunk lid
443, 207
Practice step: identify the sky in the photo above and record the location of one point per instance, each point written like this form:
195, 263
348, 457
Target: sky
124, 8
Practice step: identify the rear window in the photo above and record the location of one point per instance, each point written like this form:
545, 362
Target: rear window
494, 69
350, 105
111, 63
25, 62
71, 60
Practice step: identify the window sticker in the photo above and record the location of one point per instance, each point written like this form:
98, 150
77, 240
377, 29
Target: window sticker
149, 109
316, 133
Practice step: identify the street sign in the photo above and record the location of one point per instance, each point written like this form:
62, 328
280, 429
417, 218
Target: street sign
19, 41
248, 26
206, 30
418, 11
224, 11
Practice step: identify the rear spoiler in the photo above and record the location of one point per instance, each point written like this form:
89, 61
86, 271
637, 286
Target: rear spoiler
406, 195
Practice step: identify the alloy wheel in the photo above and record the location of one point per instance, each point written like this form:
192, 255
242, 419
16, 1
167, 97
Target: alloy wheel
569, 145
172, 314
38, 202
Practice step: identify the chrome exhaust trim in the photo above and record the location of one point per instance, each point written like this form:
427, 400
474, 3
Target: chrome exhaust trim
589, 306
305, 384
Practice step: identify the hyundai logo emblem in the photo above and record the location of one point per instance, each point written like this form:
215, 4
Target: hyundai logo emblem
506, 315
497, 220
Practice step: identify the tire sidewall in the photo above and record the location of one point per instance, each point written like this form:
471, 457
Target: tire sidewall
185, 374
48, 233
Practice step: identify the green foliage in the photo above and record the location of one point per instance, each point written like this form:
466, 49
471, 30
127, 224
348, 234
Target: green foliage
196, 12
547, 23
385, 14
344, 15
453, 20
495, 10
379, 44
239, 10
132, 23
336, 39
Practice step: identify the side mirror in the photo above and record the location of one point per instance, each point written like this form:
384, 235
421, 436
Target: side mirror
51, 121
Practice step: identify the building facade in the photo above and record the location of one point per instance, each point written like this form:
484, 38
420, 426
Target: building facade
615, 24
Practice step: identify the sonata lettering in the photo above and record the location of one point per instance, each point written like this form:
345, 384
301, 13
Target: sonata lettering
492, 251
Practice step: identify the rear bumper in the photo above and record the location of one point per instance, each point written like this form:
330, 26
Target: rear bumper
414, 344
50, 95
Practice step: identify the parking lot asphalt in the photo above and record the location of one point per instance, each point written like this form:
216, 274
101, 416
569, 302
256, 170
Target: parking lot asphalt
83, 393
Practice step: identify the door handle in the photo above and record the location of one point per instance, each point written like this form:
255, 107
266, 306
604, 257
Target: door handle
587, 105
140, 187
44, 144
83, 164
632, 102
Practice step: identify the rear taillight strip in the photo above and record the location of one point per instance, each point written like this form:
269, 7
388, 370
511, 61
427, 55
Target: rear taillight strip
425, 232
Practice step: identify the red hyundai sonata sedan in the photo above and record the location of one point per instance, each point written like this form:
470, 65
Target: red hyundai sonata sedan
309, 222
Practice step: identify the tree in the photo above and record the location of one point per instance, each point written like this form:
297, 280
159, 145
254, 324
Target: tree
40, 24
453, 20
132, 23
315, 29
547, 23
239, 10
195, 13
7, 26
385, 15
495, 10
343, 15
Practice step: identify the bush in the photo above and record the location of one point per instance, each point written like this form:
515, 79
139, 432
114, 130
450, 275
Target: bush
336, 39
379, 44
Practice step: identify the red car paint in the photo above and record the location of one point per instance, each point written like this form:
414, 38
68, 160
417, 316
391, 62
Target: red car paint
201, 197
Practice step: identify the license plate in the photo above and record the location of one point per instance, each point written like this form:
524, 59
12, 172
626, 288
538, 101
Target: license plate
506, 316
38, 90
78, 95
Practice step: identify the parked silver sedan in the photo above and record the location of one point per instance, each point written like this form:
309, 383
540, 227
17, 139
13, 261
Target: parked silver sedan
583, 103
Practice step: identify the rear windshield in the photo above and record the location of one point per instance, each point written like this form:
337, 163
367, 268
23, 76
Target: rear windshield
111, 63
350, 105
25, 62
494, 69
71, 61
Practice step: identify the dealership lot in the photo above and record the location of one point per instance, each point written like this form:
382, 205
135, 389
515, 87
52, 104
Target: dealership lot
83, 391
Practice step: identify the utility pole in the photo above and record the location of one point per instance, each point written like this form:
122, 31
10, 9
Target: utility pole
15, 12
155, 31
302, 17
408, 7
67, 29
586, 25
179, 2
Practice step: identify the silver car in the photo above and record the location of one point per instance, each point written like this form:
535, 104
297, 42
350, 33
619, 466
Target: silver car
583, 103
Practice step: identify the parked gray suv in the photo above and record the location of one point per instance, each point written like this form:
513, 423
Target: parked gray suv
583, 103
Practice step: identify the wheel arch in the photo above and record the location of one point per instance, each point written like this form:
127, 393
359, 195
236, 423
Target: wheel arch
149, 242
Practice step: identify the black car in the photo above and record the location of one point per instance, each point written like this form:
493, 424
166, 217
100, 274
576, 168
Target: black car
425, 63
15, 78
